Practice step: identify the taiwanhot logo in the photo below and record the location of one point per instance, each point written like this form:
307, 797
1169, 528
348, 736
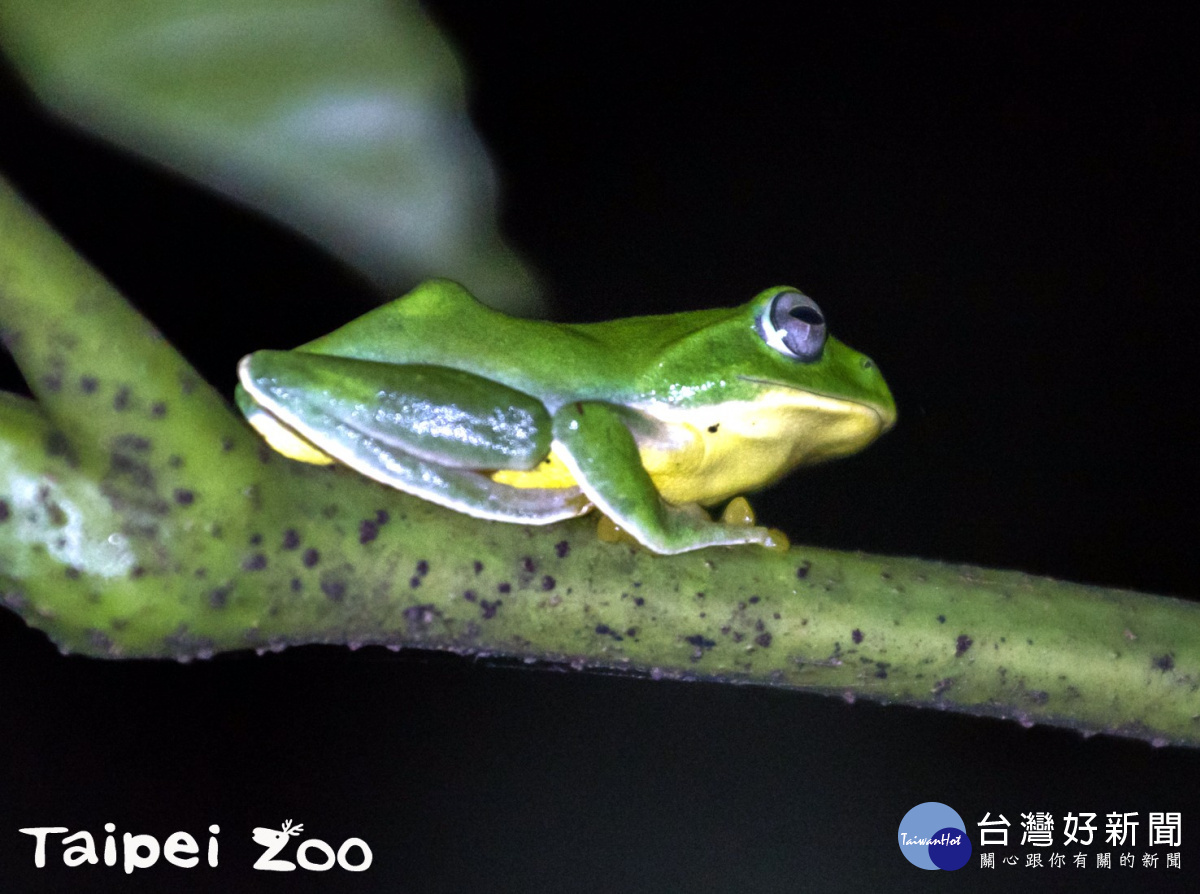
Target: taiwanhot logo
933, 836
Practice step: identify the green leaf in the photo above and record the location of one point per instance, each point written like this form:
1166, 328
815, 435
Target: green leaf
345, 119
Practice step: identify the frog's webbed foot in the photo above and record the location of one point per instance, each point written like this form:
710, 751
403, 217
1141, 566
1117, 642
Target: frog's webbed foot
739, 512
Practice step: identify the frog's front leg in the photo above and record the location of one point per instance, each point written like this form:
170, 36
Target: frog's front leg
595, 443
431, 431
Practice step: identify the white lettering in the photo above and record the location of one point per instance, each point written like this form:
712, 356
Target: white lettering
181, 843
82, 853
110, 846
354, 867
40, 833
320, 845
134, 843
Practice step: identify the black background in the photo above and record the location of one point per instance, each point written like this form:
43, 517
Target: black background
999, 206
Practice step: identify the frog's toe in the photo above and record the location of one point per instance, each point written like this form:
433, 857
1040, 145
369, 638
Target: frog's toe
738, 512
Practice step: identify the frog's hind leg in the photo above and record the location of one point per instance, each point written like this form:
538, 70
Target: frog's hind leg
424, 430
470, 492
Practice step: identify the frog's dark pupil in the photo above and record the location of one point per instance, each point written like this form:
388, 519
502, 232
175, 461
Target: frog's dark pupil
808, 315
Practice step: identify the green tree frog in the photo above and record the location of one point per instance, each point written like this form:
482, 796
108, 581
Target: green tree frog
647, 419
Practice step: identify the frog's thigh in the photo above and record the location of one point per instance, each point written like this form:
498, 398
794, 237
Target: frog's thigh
595, 444
445, 416
470, 492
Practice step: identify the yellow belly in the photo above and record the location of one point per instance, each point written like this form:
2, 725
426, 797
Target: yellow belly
550, 473
711, 454
741, 446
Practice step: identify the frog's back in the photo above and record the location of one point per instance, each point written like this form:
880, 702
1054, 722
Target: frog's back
440, 323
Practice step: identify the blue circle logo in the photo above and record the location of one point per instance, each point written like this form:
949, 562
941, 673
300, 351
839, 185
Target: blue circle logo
933, 836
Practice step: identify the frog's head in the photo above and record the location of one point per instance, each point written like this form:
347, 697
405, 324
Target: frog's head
779, 375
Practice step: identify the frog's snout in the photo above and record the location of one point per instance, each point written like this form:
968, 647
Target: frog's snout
886, 411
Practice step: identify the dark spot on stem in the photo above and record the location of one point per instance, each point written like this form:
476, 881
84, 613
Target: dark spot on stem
367, 531
942, 685
382, 517
856, 635
256, 539
121, 399
138, 473
291, 539
763, 640
488, 609
961, 645
310, 558
184, 497
562, 549
548, 583
529, 565
639, 601
422, 615
941, 619
256, 562
52, 381
414, 582
470, 596
422, 568
59, 446
699, 641
158, 410
505, 587
335, 590
136, 443
754, 600
605, 630
88, 384
1164, 663
477, 566
802, 571
219, 597
5, 512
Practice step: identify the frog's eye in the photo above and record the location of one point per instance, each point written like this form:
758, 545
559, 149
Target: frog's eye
794, 326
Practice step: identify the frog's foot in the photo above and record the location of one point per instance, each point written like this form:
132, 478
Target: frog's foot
739, 512
609, 531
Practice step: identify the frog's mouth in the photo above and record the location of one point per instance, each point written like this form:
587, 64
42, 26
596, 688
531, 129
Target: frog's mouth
885, 413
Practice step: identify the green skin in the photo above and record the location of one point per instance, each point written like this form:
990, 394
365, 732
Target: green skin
429, 391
